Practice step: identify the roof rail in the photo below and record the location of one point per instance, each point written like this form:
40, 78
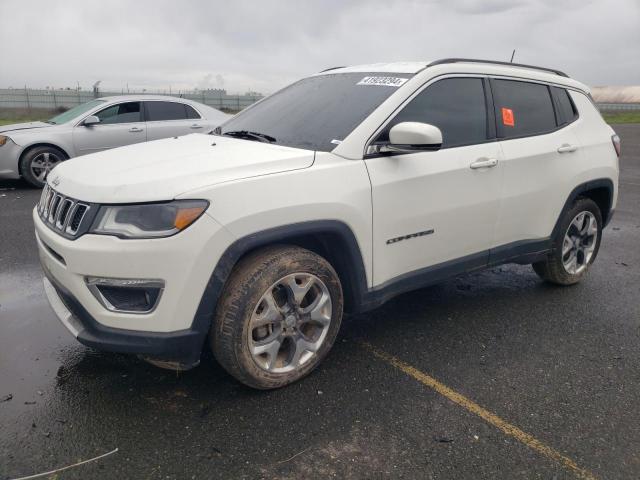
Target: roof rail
332, 68
495, 62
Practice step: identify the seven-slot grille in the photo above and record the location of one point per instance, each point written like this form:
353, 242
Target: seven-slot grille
60, 212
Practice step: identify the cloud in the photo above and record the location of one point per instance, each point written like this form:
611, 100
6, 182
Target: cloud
486, 7
261, 46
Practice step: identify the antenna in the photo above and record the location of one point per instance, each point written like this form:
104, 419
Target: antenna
513, 54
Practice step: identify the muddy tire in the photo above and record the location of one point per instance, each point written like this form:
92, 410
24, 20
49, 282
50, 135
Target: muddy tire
575, 246
277, 317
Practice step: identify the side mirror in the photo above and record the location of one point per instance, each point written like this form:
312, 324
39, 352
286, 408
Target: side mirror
413, 137
90, 121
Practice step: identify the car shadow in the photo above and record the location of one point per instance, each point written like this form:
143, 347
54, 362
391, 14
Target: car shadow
16, 185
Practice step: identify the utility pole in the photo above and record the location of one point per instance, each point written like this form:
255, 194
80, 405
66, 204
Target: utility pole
26, 93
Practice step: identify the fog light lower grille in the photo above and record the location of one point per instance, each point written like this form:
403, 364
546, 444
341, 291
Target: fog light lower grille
125, 295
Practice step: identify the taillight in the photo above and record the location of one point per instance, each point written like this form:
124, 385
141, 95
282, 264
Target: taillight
615, 139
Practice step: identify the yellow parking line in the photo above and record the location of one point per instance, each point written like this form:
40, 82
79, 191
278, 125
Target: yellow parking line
483, 413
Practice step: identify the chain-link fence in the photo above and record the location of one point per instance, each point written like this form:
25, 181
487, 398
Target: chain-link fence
27, 99
50, 99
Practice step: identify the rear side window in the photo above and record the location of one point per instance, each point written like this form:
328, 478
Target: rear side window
567, 112
191, 112
522, 108
455, 105
120, 113
157, 111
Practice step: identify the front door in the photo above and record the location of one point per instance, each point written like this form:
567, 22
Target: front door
120, 124
438, 209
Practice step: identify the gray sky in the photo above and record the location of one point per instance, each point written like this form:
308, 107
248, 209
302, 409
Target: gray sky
262, 45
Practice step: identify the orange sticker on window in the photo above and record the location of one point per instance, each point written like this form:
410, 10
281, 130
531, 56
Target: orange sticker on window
507, 117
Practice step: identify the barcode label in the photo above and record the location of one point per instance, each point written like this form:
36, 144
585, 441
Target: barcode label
383, 81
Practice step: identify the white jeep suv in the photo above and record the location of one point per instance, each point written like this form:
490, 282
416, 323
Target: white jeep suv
332, 195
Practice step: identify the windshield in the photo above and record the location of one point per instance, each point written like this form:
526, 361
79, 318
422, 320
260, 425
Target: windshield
316, 113
74, 112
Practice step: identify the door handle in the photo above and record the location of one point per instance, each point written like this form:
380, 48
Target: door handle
566, 148
195, 125
484, 163
135, 129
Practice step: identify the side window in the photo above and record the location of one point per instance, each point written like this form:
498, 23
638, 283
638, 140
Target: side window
567, 112
455, 105
191, 112
157, 111
522, 108
121, 113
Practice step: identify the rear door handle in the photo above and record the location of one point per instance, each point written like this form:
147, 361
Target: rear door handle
195, 125
566, 148
135, 129
484, 163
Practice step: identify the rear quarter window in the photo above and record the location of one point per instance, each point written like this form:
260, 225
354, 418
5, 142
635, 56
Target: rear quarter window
522, 108
191, 113
567, 112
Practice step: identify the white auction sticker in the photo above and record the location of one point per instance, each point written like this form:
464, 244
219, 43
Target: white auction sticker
382, 81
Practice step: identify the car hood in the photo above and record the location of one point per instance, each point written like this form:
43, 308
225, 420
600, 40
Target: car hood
23, 126
163, 169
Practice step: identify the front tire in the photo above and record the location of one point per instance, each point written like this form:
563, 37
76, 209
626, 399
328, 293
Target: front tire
575, 246
37, 162
277, 317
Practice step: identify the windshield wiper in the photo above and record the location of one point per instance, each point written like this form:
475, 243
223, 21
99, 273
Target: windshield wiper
260, 137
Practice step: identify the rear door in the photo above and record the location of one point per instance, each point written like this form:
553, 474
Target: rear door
433, 207
536, 126
170, 119
120, 124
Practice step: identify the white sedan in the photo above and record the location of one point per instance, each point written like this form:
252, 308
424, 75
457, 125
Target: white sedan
31, 150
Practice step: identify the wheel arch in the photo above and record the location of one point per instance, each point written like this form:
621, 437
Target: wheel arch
332, 239
601, 191
28, 148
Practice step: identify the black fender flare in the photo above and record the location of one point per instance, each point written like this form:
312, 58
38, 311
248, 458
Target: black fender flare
352, 273
599, 183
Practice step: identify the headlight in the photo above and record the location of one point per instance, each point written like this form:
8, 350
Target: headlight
3, 140
148, 220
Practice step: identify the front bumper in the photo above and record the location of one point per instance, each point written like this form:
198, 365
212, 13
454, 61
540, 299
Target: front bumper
175, 330
181, 349
9, 157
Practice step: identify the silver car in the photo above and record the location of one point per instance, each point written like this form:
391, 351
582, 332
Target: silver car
31, 150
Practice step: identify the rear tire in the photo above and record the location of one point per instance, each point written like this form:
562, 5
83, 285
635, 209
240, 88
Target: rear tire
37, 162
575, 246
277, 317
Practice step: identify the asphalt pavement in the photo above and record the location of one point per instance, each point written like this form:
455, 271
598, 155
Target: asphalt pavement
490, 375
